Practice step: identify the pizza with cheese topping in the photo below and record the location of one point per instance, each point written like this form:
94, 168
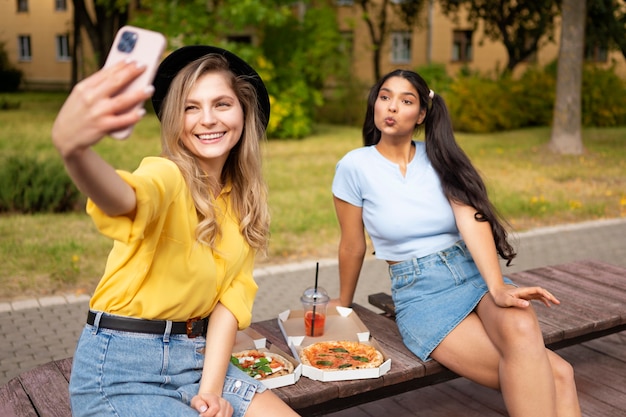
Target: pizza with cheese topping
341, 355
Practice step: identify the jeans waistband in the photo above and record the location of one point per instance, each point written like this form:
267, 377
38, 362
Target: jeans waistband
416, 264
192, 328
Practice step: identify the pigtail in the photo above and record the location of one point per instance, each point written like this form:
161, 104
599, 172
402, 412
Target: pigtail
461, 182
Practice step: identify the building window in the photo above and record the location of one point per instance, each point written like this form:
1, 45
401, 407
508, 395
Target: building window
60, 5
22, 6
462, 46
23, 48
596, 53
401, 47
346, 47
63, 47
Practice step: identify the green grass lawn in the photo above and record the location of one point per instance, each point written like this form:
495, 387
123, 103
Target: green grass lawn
531, 187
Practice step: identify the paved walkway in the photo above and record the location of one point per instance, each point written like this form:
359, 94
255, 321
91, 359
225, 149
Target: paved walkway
37, 331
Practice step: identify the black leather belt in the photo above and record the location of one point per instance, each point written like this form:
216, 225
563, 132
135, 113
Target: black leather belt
192, 328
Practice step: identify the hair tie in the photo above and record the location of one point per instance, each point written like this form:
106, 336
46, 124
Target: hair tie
431, 94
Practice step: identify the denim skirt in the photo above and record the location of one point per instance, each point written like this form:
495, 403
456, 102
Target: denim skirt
117, 373
433, 294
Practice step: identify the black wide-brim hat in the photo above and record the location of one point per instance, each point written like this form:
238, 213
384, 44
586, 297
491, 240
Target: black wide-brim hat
178, 59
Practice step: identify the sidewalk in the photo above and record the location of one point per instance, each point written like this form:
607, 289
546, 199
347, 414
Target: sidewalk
37, 331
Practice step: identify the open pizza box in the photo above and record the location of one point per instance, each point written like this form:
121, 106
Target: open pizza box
341, 324
251, 339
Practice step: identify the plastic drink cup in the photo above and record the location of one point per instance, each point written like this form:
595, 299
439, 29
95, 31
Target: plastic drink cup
314, 303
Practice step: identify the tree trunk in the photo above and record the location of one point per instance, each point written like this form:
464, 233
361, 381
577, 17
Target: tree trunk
377, 39
566, 125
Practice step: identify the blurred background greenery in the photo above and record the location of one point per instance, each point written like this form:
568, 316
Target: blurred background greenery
48, 244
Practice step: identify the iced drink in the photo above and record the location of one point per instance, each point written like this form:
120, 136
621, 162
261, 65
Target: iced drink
314, 303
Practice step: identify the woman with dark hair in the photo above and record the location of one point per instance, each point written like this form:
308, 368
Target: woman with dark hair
426, 210
186, 227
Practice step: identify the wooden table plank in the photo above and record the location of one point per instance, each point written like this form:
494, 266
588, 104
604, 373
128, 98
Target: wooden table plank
65, 367
47, 389
606, 274
14, 401
596, 282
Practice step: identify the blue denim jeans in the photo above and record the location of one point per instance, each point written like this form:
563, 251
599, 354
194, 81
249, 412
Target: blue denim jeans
118, 373
433, 294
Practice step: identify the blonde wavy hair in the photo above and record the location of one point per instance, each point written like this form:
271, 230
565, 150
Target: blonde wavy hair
243, 170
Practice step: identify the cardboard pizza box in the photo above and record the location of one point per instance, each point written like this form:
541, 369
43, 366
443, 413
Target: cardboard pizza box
342, 323
251, 339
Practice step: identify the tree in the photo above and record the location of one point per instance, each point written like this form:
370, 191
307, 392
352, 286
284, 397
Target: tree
294, 47
519, 25
108, 17
606, 25
566, 135
375, 17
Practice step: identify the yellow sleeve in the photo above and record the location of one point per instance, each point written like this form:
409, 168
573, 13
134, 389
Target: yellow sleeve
238, 297
156, 182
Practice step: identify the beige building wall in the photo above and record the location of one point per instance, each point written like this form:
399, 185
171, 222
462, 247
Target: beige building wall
432, 43
42, 23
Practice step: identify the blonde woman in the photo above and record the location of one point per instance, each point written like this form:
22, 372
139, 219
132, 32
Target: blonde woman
186, 226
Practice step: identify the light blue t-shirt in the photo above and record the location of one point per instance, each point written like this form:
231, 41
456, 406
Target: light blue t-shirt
406, 217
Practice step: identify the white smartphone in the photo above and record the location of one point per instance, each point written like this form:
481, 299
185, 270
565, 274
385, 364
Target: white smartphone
142, 46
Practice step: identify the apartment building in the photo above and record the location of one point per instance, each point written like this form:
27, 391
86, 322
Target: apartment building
37, 36
436, 39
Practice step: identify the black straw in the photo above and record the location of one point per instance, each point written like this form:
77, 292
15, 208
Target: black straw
317, 269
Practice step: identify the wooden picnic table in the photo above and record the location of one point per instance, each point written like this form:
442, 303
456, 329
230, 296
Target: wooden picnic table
593, 296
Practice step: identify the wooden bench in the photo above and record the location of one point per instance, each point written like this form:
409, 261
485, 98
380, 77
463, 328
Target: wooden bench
593, 304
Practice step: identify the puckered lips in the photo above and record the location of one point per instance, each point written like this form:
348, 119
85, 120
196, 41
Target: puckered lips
390, 121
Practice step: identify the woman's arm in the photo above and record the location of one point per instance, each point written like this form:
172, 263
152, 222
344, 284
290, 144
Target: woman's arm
479, 240
220, 340
91, 112
352, 248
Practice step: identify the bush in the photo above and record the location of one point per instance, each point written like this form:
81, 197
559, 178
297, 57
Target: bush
603, 98
6, 104
345, 104
436, 77
10, 78
291, 112
533, 97
480, 104
28, 185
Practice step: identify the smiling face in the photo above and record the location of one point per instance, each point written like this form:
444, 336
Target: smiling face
397, 109
213, 121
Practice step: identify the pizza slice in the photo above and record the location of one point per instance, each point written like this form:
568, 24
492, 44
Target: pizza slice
261, 364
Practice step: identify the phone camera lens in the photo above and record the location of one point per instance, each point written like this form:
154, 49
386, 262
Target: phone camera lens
127, 42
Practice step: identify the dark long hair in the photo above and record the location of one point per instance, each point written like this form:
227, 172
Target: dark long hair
461, 182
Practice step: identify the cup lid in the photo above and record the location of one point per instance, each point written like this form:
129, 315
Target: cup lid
311, 296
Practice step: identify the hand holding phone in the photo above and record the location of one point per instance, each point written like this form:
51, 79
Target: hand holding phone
142, 46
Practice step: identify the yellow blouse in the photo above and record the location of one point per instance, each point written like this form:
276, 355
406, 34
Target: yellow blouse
157, 269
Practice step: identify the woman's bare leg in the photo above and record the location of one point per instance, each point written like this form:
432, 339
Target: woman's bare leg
268, 404
503, 349
566, 393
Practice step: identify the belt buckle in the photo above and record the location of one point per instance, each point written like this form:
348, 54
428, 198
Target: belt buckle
195, 327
